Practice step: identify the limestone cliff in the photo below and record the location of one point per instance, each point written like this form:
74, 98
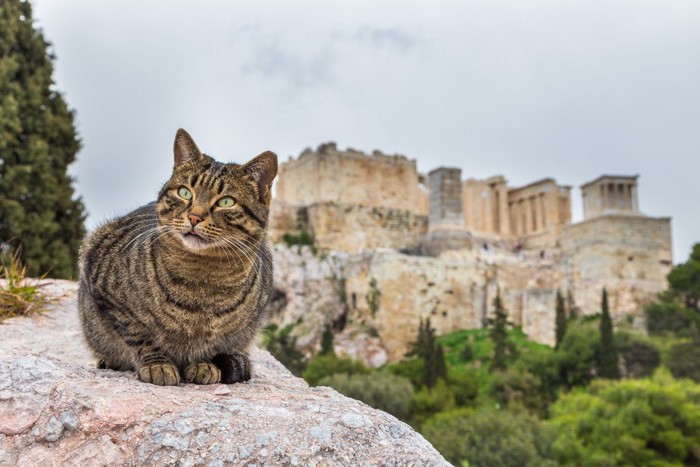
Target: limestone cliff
57, 409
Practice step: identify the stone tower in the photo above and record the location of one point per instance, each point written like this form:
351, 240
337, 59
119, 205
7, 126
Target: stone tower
445, 204
610, 194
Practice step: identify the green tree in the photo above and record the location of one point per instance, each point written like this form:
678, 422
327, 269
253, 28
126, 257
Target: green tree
431, 352
607, 359
327, 341
326, 365
684, 360
373, 297
669, 317
428, 401
684, 280
577, 356
38, 142
282, 345
639, 357
492, 438
560, 320
629, 422
502, 348
464, 384
381, 390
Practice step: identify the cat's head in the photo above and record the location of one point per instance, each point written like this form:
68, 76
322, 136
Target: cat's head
209, 204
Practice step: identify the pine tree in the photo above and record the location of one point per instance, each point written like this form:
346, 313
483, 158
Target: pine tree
502, 348
429, 349
607, 361
38, 142
327, 341
561, 321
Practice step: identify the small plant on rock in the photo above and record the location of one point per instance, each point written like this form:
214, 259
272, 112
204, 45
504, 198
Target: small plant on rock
18, 295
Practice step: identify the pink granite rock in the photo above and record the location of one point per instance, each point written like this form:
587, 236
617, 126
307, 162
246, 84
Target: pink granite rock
57, 409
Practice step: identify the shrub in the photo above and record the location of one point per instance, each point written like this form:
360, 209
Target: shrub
684, 360
515, 387
282, 345
638, 356
18, 295
380, 390
326, 365
429, 401
577, 355
669, 318
464, 385
490, 438
629, 422
411, 369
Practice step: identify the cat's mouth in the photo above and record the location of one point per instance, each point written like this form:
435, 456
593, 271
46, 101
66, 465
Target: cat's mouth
194, 240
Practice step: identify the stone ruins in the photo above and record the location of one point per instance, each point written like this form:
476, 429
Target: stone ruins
439, 246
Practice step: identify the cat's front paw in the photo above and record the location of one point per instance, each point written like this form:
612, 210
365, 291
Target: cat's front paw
202, 373
162, 374
235, 367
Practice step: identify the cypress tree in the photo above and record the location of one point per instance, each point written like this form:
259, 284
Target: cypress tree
327, 347
499, 335
38, 142
429, 349
607, 362
561, 321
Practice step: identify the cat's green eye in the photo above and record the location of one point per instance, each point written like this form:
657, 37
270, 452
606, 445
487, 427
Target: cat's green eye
225, 202
184, 193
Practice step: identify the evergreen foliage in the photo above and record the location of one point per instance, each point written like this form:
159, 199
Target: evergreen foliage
429, 401
465, 387
684, 360
327, 347
630, 422
381, 390
431, 352
283, 346
560, 320
490, 438
373, 297
503, 349
326, 365
639, 357
38, 142
607, 359
684, 280
669, 317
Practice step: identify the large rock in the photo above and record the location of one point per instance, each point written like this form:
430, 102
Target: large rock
57, 409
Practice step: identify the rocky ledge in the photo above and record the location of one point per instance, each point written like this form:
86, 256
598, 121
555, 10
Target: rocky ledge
57, 409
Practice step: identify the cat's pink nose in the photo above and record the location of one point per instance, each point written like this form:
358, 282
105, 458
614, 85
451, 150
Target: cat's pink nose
194, 219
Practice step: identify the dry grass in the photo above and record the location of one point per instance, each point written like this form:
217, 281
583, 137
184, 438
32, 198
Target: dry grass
19, 295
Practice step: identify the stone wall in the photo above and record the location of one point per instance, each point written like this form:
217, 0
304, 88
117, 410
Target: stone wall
350, 228
351, 177
629, 255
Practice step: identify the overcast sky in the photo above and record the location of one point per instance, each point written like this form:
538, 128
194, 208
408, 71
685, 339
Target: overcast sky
563, 89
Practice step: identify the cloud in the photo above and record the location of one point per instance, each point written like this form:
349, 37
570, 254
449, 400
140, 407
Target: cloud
393, 37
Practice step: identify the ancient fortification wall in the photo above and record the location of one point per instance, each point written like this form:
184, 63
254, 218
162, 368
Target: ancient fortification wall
479, 236
351, 177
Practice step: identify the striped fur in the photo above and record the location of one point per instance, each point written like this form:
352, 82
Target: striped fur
170, 304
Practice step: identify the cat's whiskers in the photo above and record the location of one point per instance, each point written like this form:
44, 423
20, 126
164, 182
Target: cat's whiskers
145, 236
237, 248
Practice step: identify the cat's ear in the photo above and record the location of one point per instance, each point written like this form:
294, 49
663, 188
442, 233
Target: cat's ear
263, 169
185, 149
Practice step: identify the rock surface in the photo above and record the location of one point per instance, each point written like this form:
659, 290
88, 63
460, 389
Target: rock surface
57, 409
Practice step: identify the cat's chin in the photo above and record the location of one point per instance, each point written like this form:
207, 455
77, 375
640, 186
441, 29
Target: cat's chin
195, 242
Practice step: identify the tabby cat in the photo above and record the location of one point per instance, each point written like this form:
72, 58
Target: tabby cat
176, 289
